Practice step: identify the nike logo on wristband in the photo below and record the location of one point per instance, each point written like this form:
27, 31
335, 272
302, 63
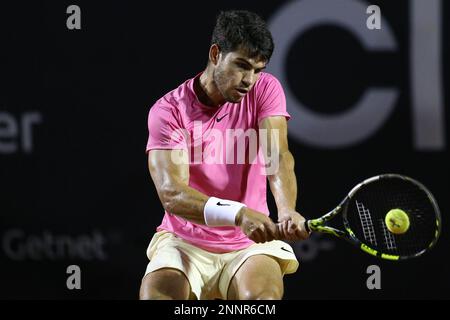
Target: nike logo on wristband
222, 204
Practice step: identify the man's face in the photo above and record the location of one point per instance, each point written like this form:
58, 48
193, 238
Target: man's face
235, 74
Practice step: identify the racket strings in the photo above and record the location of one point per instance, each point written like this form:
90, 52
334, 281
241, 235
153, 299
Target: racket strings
366, 216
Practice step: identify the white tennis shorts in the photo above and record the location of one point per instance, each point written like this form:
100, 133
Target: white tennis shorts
209, 274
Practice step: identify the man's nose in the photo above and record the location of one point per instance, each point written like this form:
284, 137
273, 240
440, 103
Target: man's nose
248, 79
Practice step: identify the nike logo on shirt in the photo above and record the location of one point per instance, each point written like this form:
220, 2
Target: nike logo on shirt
222, 204
220, 119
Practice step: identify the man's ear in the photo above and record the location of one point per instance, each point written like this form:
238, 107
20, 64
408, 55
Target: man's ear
214, 54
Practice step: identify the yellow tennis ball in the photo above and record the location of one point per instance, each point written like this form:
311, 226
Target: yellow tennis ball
397, 221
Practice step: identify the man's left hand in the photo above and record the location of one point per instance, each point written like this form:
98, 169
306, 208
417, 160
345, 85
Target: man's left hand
291, 226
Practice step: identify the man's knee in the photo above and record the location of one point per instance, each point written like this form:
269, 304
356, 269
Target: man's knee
165, 284
259, 278
273, 293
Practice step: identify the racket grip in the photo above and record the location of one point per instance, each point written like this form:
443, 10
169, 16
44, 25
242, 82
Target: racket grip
307, 228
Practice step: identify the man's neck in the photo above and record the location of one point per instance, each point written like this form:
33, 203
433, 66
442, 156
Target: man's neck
206, 90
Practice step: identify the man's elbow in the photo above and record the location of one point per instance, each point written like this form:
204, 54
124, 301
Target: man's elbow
287, 159
170, 196
284, 161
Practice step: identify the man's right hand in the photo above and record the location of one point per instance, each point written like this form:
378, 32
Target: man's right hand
256, 225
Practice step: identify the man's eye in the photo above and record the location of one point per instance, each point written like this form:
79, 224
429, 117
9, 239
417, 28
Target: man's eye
243, 66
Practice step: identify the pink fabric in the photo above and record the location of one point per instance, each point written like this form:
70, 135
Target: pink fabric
244, 182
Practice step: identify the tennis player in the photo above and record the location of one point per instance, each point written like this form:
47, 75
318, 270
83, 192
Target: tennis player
216, 240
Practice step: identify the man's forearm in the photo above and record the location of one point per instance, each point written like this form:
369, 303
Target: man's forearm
186, 202
194, 206
283, 183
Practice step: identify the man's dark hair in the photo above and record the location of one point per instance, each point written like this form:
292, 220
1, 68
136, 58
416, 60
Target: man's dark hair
240, 28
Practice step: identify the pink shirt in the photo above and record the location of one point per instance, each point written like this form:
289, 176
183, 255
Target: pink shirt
215, 167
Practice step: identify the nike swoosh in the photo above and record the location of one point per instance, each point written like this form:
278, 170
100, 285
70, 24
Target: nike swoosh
222, 204
220, 119
283, 248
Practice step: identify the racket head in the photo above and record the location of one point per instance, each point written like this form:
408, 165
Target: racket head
365, 208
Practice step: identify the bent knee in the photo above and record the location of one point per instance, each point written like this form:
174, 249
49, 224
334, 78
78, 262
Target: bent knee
165, 284
155, 295
266, 294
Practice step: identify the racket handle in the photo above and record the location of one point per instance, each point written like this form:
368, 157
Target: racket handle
279, 229
307, 228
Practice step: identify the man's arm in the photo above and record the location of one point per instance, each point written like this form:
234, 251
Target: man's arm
282, 179
171, 180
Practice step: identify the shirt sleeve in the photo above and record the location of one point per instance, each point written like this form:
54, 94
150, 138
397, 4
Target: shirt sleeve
271, 100
165, 130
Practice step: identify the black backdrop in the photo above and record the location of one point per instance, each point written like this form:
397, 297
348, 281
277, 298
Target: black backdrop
74, 185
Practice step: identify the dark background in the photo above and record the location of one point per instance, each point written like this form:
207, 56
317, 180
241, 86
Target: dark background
85, 176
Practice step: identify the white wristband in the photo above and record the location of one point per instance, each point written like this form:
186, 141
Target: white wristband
220, 212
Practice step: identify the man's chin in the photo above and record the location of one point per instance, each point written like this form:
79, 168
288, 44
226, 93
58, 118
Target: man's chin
235, 99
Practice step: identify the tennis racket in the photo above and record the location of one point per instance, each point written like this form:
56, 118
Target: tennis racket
365, 225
